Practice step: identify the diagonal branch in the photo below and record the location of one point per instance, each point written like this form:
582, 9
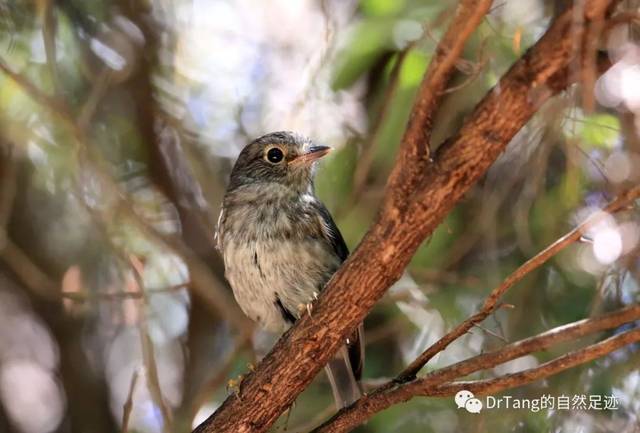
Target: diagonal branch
410, 212
564, 362
491, 303
438, 383
232, 416
206, 285
569, 332
414, 153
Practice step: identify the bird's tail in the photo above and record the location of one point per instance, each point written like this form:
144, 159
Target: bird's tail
346, 389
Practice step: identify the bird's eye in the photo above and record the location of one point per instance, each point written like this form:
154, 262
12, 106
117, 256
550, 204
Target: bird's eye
275, 155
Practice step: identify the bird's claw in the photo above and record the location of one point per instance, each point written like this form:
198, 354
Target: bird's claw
233, 385
308, 307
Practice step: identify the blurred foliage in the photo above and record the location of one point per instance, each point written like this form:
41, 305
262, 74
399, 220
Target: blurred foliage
118, 130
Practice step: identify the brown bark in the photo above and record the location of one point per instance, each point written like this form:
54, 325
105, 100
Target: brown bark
491, 303
414, 154
413, 207
439, 382
571, 359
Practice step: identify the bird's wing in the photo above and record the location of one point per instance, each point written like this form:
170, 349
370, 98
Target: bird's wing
331, 233
355, 343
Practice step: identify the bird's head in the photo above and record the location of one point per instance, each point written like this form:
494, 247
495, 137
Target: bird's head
279, 157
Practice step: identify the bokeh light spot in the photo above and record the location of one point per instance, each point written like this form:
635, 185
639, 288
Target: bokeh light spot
607, 245
32, 398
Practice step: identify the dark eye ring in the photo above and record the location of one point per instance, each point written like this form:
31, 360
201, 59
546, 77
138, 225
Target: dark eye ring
275, 155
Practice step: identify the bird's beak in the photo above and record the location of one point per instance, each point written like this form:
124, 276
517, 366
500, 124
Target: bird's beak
312, 154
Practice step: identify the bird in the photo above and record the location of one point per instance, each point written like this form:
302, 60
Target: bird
281, 246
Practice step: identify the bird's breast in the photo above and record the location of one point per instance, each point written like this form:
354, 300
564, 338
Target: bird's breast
274, 252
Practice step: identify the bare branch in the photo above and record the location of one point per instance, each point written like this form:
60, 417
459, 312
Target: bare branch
210, 288
627, 17
371, 142
416, 201
33, 278
48, 19
414, 151
39, 96
119, 295
127, 407
437, 383
547, 369
8, 174
589, 61
151, 373
491, 302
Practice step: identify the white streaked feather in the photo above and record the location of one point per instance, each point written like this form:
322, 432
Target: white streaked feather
217, 235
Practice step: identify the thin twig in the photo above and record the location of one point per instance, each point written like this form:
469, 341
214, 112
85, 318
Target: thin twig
395, 392
98, 90
564, 362
414, 153
148, 352
492, 333
112, 296
49, 24
365, 161
27, 271
8, 183
39, 96
414, 205
153, 379
210, 289
326, 51
127, 407
543, 341
589, 70
474, 69
491, 302
626, 17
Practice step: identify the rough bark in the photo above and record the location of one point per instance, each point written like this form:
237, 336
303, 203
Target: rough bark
409, 214
439, 382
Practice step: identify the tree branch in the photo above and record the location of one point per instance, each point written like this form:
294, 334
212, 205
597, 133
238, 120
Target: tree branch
414, 154
565, 362
208, 287
491, 302
237, 417
437, 383
411, 210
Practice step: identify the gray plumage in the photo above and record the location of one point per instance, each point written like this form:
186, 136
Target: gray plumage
281, 246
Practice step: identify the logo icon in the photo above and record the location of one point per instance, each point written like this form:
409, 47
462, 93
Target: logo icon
467, 400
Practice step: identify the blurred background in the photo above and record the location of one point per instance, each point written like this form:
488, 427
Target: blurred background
120, 121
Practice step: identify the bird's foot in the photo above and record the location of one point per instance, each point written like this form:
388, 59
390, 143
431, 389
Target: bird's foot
233, 385
308, 307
